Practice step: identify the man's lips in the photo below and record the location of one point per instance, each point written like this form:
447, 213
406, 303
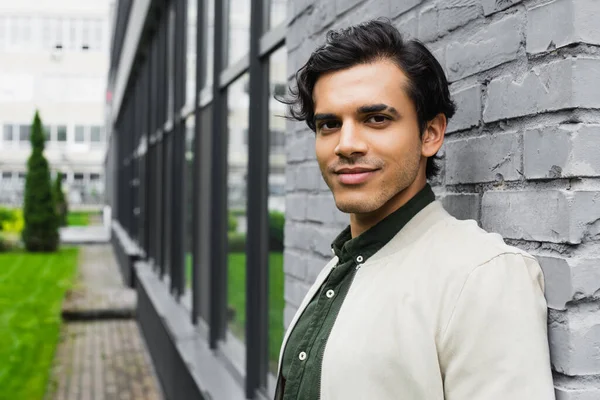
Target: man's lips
354, 175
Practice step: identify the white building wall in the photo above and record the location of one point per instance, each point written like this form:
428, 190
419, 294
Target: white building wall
45, 66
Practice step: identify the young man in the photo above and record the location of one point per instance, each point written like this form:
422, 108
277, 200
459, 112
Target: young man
416, 304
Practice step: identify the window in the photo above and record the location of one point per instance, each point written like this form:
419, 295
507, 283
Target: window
85, 34
209, 7
94, 177
73, 33
7, 175
191, 51
21, 176
7, 133
277, 12
97, 33
79, 134
3, 35
47, 132
96, 134
276, 205
237, 160
24, 133
78, 177
61, 133
238, 30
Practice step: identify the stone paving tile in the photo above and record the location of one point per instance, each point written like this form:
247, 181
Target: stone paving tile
102, 360
99, 284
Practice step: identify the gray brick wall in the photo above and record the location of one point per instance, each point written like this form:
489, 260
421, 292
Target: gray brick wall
522, 155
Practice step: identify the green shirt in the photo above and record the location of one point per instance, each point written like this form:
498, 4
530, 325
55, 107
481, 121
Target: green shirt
303, 353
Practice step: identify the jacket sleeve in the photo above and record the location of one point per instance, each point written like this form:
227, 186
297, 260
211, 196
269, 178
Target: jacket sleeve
495, 344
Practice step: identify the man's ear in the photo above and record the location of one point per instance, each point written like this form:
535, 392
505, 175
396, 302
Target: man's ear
433, 137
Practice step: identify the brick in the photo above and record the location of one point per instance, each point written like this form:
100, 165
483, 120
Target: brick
400, 7
295, 149
321, 241
562, 22
493, 6
290, 178
408, 25
493, 45
550, 216
295, 207
554, 86
308, 177
295, 290
288, 314
483, 158
297, 235
462, 205
562, 151
294, 264
341, 6
529, 215
569, 279
437, 19
576, 388
468, 109
574, 337
320, 208
314, 266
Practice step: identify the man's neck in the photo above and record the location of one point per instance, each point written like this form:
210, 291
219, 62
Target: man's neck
360, 223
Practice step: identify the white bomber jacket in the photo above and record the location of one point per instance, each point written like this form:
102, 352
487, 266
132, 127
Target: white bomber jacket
444, 311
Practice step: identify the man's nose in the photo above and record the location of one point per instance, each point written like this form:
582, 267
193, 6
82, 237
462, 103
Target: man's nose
351, 141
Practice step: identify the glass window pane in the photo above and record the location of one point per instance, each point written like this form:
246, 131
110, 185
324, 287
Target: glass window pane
277, 162
95, 134
94, 177
190, 125
277, 13
7, 175
237, 160
24, 133
78, 176
238, 34
209, 45
61, 133
7, 133
79, 134
191, 51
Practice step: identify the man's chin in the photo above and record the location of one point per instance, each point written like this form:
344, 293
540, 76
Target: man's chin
356, 206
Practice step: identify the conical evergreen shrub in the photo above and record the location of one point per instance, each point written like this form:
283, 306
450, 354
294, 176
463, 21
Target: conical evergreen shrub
62, 207
40, 232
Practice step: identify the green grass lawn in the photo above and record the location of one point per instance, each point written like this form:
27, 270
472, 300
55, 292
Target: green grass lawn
237, 298
79, 218
32, 288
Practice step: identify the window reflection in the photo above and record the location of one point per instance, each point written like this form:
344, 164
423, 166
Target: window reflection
278, 9
237, 159
238, 30
192, 17
277, 161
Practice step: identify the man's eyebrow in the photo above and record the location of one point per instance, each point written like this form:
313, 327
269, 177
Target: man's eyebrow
319, 117
376, 108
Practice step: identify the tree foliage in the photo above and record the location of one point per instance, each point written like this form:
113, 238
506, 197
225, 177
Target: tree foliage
41, 223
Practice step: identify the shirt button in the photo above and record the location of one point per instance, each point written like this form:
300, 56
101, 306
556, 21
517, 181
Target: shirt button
359, 259
302, 356
330, 293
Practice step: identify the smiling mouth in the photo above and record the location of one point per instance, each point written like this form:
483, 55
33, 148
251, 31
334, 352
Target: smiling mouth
355, 176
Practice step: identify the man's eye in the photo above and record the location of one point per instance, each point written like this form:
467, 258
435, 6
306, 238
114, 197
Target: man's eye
330, 125
377, 119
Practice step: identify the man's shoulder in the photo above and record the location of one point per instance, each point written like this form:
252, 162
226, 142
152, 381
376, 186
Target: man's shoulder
465, 244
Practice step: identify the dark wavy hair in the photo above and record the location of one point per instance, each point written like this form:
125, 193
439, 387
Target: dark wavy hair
369, 42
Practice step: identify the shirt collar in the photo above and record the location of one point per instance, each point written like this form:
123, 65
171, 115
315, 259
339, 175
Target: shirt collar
369, 242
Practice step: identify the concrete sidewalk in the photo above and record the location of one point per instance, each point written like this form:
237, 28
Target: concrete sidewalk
101, 354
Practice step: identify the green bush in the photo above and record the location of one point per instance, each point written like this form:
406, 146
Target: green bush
276, 226
41, 223
236, 242
232, 223
62, 207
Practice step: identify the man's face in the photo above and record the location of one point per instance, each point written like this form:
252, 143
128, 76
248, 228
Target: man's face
367, 136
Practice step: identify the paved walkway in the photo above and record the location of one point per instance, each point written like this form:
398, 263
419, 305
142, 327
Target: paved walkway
101, 357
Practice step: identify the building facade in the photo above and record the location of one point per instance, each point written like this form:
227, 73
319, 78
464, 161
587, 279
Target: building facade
54, 58
200, 162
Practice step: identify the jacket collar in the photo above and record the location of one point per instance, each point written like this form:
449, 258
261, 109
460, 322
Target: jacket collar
368, 243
